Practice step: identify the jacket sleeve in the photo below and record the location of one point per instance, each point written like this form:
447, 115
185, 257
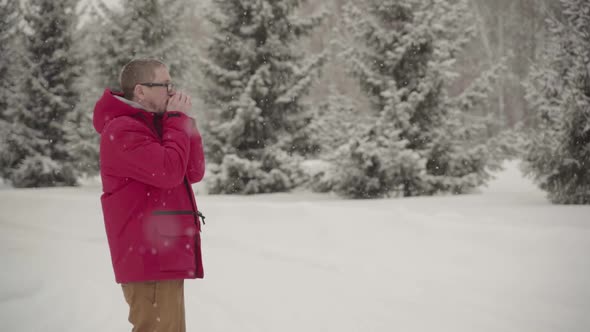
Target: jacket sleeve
131, 150
196, 161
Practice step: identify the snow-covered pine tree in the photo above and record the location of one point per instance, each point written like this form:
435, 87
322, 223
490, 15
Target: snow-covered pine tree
256, 77
81, 136
558, 92
145, 29
10, 21
37, 142
10, 17
423, 141
337, 118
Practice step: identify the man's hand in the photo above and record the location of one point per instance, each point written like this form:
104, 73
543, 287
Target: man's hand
180, 102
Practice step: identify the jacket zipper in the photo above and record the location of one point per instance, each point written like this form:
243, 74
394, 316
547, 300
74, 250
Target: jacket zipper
178, 212
172, 212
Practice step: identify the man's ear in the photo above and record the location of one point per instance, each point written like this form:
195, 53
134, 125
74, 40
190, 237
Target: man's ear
138, 92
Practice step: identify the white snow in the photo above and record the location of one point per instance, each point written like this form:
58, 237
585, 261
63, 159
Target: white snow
500, 260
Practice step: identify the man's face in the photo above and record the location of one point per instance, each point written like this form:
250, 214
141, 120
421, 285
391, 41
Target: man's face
155, 98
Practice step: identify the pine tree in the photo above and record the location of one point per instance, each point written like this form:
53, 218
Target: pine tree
256, 78
558, 91
37, 146
423, 141
144, 29
336, 119
80, 134
10, 17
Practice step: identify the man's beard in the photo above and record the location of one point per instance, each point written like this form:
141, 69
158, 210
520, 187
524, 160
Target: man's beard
157, 108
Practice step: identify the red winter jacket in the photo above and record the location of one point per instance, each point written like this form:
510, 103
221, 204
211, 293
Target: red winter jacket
147, 162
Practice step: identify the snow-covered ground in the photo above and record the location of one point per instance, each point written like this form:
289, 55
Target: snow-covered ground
501, 260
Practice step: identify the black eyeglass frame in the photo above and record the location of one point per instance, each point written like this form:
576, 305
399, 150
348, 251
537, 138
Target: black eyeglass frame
170, 87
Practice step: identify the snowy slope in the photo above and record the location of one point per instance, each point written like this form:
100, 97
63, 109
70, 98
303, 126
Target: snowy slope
501, 260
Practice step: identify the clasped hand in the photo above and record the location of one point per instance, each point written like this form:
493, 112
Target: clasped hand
179, 102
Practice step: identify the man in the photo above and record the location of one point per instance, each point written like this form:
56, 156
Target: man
150, 153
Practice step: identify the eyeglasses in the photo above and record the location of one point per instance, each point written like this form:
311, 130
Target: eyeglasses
170, 87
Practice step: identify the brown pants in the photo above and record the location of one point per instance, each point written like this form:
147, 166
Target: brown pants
156, 306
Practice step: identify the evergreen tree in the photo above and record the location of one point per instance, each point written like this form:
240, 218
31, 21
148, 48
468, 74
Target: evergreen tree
558, 91
144, 29
336, 119
10, 53
81, 136
37, 143
256, 78
10, 18
422, 142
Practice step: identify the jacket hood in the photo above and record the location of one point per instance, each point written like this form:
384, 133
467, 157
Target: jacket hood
110, 106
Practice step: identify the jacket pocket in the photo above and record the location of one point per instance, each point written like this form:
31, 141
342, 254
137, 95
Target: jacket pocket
176, 232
